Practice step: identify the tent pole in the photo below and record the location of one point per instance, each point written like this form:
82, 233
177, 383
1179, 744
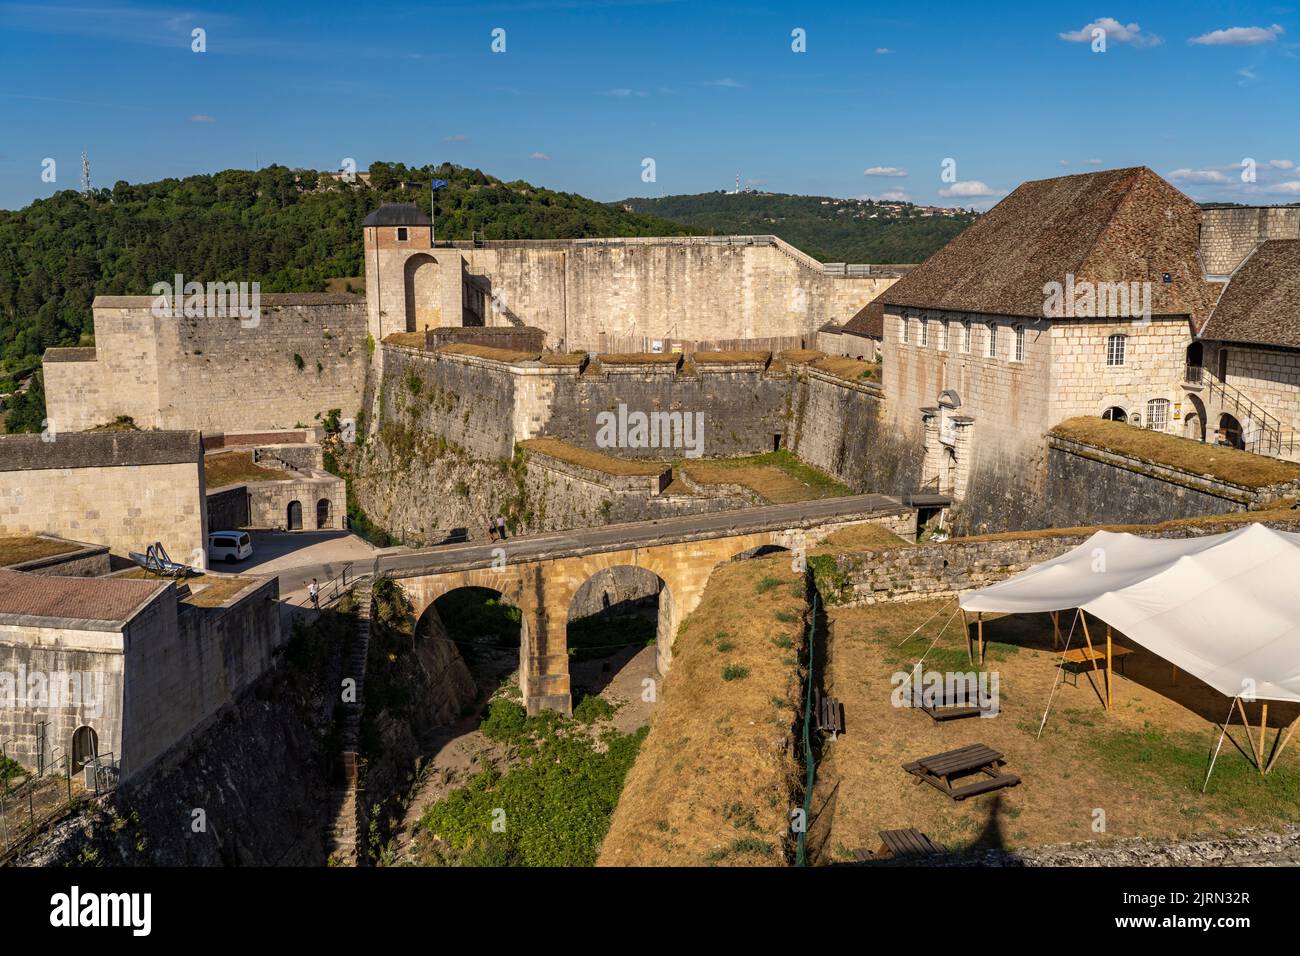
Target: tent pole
1108, 667
1263, 731
1249, 737
979, 627
1092, 655
1277, 752
1056, 630
1057, 682
1217, 746
965, 627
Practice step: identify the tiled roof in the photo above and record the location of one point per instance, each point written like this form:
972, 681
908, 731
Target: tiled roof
1262, 302
1120, 225
83, 599
396, 214
869, 320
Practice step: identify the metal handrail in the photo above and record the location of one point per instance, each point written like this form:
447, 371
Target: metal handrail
340, 584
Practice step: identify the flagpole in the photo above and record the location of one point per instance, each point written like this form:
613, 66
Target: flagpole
433, 227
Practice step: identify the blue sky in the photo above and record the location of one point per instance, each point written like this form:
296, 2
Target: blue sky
586, 90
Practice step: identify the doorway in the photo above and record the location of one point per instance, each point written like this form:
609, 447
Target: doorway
294, 521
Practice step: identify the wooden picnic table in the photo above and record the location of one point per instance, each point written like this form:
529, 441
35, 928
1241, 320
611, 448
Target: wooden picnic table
940, 769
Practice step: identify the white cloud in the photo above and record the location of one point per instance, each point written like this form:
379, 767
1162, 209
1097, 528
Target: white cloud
884, 171
1281, 164
727, 82
883, 50
1063, 162
624, 91
1200, 176
1291, 187
455, 138
969, 188
538, 155
1116, 32
202, 118
1092, 162
1239, 36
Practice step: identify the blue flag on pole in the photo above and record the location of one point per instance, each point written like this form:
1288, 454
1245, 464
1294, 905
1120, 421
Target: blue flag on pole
438, 184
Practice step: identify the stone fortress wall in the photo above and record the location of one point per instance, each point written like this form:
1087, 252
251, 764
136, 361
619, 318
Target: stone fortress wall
211, 372
613, 294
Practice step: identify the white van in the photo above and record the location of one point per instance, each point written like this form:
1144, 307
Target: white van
229, 546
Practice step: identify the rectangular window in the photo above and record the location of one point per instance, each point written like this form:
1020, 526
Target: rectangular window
943, 336
993, 340
1019, 354
1115, 350
1157, 414
965, 335
401, 233
925, 332
905, 324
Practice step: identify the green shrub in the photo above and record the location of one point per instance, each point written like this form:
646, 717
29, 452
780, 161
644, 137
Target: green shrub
505, 720
767, 584
593, 708
735, 672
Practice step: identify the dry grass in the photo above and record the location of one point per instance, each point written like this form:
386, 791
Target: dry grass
488, 352
730, 358
640, 358
208, 590
232, 467
1142, 764
776, 477
412, 340
558, 448
1216, 461
564, 358
860, 537
715, 778
800, 356
849, 369
15, 549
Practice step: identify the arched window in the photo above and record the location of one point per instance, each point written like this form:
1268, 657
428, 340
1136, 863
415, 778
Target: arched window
1115, 414
1157, 414
1115, 348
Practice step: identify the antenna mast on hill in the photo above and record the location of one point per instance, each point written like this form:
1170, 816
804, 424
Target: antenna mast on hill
85, 174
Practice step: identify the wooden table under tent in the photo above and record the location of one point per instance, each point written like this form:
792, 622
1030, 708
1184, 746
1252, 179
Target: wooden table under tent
1224, 608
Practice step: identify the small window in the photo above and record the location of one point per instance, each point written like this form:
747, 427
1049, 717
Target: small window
943, 336
965, 335
993, 340
1157, 414
1018, 355
925, 331
401, 233
1115, 347
905, 324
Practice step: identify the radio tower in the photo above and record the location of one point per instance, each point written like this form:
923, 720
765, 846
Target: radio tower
85, 174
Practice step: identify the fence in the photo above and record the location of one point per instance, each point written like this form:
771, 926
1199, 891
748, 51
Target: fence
47, 794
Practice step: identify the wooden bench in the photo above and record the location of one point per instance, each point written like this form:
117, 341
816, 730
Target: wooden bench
940, 770
901, 844
943, 709
829, 713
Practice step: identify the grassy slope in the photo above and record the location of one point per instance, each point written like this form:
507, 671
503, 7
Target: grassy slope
716, 776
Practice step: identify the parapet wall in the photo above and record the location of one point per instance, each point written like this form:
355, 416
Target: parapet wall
619, 294
1228, 235
304, 355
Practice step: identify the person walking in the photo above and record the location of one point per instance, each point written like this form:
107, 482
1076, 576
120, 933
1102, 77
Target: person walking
501, 527
492, 528
313, 590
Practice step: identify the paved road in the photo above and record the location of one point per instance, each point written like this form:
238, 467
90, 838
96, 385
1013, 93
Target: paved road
803, 514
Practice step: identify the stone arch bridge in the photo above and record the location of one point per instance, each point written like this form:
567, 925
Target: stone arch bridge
541, 574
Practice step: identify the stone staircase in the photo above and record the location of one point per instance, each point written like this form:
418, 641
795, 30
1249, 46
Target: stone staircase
1263, 432
344, 832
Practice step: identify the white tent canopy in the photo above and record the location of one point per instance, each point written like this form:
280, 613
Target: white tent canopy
1224, 608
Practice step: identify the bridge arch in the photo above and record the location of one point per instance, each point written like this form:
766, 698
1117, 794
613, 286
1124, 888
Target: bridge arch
490, 631
608, 620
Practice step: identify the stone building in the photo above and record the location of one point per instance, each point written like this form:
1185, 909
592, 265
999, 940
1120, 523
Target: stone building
1089, 295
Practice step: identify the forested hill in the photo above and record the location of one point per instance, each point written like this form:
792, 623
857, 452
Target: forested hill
832, 230
285, 229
